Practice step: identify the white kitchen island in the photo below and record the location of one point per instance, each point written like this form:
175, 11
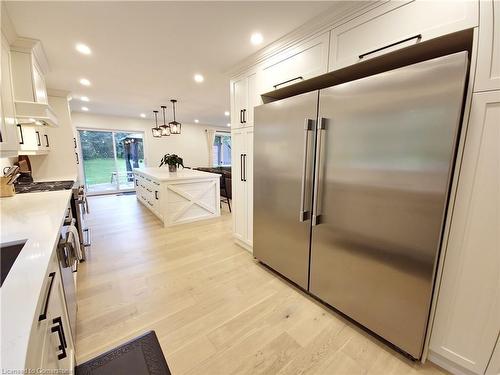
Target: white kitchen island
178, 197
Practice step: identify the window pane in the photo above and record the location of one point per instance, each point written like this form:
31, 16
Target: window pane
222, 150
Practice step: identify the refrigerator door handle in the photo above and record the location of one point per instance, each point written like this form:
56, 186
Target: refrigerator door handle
316, 215
304, 214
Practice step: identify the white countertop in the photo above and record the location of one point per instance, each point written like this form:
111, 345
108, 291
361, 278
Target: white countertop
162, 174
36, 217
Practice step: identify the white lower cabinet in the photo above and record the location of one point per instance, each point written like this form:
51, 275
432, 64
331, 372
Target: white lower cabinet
395, 25
51, 344
242, 186
467, 319
185, 196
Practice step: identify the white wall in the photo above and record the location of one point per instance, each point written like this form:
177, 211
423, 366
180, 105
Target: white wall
191, 144
60, 162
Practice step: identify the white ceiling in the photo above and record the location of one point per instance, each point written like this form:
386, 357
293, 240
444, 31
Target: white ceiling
144, 53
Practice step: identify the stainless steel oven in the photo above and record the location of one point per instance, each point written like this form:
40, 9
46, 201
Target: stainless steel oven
80, 209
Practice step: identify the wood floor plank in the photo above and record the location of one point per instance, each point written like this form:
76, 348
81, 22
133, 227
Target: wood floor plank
215, 309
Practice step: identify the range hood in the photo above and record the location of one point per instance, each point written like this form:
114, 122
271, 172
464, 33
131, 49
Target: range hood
29, 66
33, 113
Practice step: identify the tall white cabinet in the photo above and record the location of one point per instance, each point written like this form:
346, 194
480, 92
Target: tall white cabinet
242, 180
244, 97
467, 320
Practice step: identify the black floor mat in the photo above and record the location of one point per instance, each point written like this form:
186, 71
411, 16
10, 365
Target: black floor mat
140, 356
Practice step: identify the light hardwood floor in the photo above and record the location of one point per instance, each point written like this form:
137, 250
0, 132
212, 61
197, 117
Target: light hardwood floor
214, 308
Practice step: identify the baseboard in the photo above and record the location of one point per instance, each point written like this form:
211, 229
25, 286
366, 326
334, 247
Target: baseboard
244, 245
447, 364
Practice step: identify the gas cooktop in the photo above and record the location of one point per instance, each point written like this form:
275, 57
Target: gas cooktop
36, 187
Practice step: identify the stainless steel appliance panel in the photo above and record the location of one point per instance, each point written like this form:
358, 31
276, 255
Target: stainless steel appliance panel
284, 138
384, 160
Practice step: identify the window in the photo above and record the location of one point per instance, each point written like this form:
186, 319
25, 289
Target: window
222, 149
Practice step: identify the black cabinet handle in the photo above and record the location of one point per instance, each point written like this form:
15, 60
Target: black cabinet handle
62, 337
241, 167
245, 167
77, 158
244, 116
74, 142
241, 116
156, 194
38, 138
136, 182
46, 140
43, 315
287, 81
21, 142
418, 37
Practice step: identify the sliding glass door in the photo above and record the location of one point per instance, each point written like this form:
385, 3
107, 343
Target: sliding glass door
109, 158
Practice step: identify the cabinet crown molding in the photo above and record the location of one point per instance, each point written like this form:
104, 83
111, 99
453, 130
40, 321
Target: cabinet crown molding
335, 16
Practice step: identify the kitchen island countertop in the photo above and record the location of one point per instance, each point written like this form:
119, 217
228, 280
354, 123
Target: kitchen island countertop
162, 174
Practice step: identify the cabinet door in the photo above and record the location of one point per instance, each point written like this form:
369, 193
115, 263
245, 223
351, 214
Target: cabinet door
30, 139
240, 100
398, 23
8, 137
53, 357
467, 318
239, 200
249, 182
305, 61
488, 56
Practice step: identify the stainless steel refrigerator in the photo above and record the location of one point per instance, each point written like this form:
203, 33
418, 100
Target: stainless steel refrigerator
351, 185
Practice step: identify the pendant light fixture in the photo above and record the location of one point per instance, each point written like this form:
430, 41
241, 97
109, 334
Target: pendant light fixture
156, 130
165, 129
175, 127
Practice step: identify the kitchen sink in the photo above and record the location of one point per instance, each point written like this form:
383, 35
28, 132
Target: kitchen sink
8, 255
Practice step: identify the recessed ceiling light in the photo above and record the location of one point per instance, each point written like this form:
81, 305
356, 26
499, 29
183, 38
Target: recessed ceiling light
84, 98
198, 78
143, 115
256, 38
196, 120
85, 109
85, 82
82, 48
228, 124
226, 113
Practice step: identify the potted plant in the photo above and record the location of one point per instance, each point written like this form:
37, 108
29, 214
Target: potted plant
173, 161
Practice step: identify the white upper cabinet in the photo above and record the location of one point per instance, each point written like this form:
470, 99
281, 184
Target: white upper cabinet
244, 99
488, 57
396, 25
8, 138
33, 139
467, 319
307, 60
